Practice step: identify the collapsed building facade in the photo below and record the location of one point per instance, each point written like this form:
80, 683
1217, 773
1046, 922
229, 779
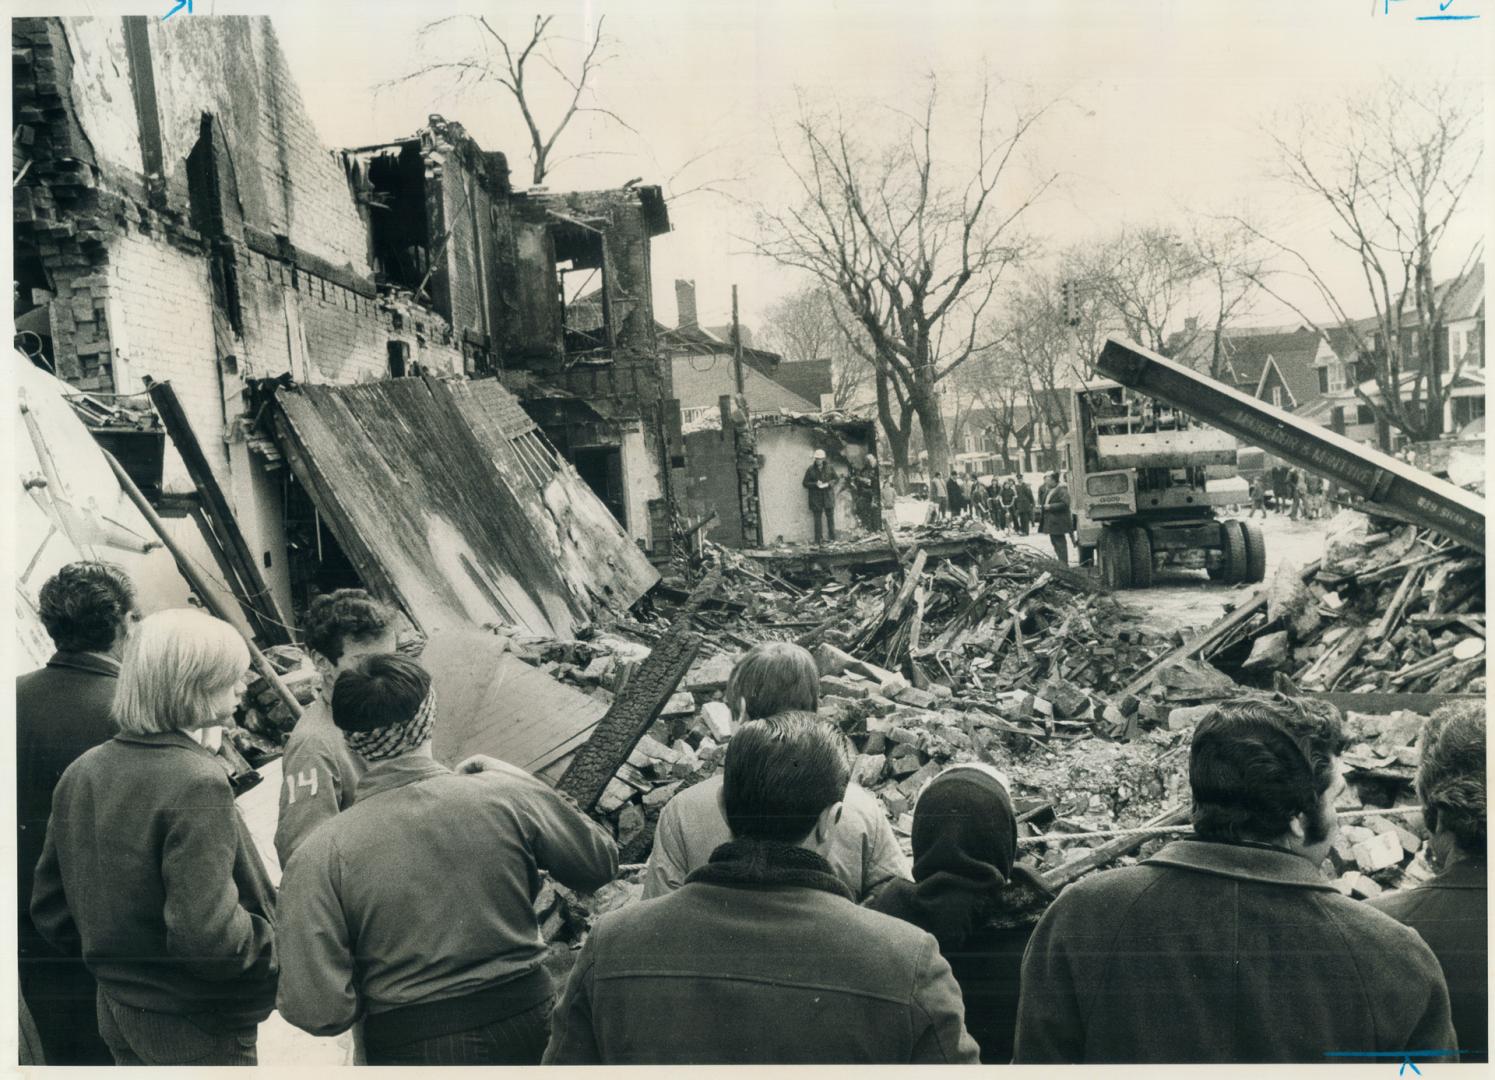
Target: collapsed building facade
482, 358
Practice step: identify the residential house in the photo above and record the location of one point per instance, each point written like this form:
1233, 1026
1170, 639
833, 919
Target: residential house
1348, 379
703, 369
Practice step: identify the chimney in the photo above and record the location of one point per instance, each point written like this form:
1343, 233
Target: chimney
685, 303
1191, 324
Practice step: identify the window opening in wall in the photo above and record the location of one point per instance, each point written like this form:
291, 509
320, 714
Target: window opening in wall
586, 304
399, 233
601, 467
399, 359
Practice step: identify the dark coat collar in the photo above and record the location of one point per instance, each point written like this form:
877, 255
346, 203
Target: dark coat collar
768, 863
95, 663
1465, 874
1253, 862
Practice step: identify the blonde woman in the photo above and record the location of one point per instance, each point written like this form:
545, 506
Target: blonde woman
148, 871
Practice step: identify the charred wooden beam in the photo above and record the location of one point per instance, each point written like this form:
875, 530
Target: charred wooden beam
638, 706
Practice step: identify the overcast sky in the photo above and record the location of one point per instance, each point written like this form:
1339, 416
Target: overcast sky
1161, 103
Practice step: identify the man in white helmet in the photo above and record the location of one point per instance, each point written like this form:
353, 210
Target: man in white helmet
820, 481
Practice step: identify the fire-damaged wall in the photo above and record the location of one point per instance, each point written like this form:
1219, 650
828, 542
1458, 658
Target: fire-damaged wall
178, 220
436, 212
593, 248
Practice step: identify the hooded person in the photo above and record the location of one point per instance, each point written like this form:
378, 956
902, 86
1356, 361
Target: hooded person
972, 895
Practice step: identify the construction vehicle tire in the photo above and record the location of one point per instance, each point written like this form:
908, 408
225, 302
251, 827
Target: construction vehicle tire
1140, 541
1115, 557
1256, 552
1233, 543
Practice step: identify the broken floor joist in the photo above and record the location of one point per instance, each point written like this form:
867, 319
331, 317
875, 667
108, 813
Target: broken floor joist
638, 706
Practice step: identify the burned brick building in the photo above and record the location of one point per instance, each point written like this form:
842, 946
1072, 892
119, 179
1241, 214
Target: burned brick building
178, 221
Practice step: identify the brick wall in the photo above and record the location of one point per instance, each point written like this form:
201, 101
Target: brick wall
288, 182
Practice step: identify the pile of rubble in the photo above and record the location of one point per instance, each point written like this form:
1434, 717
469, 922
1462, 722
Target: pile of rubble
1386, 611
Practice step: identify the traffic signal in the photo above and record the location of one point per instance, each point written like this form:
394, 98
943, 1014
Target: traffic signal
1069, 292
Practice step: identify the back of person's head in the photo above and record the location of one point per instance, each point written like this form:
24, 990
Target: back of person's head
1260, 760
773, 677
1451, 775
781, 774
175, 663
85, 605
338, 619
379, 690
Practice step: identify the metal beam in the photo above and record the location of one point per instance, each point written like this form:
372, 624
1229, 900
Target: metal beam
1375, 476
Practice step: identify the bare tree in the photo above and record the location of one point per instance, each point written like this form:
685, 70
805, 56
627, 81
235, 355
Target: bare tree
914, 254
1002, 388
1229, 268
1147, 278
805, 326
511, 63
1394, 169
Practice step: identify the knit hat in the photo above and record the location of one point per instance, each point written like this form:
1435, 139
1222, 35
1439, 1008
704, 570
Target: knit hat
965, 844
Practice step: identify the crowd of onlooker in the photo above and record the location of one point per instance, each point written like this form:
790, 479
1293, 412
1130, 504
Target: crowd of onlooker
780, 921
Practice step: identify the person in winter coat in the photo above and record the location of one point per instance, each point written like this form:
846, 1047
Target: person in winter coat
1258, 497
62, 710
149, 871
972, 896
1025, 504
413, 908
938, 496
762, 957
980, 501
820, 482
864, 489
1450, 912
1005, 504
955, 492
772, 678
1232, 946
1057, 520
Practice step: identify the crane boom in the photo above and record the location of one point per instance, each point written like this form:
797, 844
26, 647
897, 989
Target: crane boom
1381, 479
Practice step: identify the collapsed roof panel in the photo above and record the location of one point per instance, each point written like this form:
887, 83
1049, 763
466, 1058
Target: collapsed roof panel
452, 507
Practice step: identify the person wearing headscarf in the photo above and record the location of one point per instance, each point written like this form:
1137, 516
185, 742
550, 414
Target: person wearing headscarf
972, 895
412, 909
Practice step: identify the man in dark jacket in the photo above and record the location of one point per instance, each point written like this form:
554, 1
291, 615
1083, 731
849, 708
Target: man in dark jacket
413, 908
61, 711
864, 492
1024, 504
1231, 946
761, 957
820, 482
1056, 519
1450, 912
955, 492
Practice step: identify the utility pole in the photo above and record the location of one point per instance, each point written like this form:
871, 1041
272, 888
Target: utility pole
736, 344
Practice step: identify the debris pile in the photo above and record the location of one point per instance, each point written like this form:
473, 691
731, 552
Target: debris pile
1394, 611
1378, 851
